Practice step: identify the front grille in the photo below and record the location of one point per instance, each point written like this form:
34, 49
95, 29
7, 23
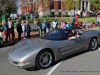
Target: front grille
14, 62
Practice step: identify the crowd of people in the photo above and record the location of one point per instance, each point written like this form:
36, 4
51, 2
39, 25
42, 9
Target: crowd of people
24, 28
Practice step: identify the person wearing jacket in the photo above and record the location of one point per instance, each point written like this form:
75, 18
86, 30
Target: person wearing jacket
12, 30
39, 27
28, 29
19, 29
47, 24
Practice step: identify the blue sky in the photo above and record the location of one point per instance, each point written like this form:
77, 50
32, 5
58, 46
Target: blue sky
18, 3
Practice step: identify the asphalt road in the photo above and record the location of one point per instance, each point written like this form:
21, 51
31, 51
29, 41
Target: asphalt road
85, 63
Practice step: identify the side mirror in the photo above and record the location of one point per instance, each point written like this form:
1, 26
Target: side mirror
72, 38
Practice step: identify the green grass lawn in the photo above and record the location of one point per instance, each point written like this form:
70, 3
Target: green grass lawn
88, 19
69, 19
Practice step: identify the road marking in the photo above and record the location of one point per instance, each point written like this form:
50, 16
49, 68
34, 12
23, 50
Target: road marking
51, 71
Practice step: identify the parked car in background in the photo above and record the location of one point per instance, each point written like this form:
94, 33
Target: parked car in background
13, 16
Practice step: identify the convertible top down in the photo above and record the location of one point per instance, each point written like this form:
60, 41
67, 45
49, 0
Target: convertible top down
42, 52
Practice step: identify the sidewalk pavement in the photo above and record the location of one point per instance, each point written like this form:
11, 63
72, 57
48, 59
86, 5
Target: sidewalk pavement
33, 34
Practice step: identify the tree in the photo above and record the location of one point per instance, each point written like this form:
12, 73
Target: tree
72, 4
69, 4
95, 4
8, 6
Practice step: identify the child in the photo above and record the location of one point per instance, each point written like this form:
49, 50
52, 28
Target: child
1, 39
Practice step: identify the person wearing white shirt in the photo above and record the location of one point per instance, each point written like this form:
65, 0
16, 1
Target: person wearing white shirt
1, 39
54, 24
23, 29
0, 34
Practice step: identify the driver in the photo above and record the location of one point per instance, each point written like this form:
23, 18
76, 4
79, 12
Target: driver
73, 33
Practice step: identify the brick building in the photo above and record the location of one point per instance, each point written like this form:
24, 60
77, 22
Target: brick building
54, 6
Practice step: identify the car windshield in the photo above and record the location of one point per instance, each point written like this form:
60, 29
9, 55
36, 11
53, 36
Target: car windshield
57, 34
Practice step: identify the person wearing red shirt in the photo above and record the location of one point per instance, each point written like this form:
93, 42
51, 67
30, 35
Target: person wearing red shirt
76, 17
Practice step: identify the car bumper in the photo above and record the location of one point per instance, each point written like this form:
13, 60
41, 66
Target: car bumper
21, 65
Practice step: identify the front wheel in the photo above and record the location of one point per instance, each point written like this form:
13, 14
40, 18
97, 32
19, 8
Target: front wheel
44, 59
93, 44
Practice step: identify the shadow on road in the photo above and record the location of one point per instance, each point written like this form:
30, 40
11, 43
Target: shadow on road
13, 42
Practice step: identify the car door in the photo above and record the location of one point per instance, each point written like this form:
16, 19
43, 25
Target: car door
74, 45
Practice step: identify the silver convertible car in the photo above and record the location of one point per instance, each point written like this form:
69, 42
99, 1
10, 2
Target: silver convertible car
55, 45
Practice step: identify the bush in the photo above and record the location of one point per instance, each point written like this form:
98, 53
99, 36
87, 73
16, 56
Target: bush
59, 15
45, 16
52, 15
0, 25
1, 29
66, 16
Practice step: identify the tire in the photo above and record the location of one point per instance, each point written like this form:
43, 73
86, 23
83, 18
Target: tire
45, 59
93, 44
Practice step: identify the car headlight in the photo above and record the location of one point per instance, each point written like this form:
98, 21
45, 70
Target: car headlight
25, 62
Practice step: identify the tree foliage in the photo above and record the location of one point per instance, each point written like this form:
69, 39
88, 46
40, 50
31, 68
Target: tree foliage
95, 4
71, 4
8, 6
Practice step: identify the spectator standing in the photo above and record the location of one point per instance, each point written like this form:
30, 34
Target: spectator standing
68, 25
5, 31
98, 19
23, 29
0, 34
47, 26
35, 24
19, 29
12, 30
54, 24
1, 39
88, 25
9, 27
39, 27
84, 25
44, 26
76, 17
93, 24
28, 29
63, 25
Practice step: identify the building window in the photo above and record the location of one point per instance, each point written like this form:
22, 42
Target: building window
52, 5
86, 5
83, 5
59, 4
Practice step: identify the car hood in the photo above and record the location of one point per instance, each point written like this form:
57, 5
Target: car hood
28, 45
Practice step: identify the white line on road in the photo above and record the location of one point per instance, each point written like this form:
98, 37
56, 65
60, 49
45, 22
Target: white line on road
51, 71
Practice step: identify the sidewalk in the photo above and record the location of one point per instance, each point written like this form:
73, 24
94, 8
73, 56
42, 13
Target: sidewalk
33, 34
